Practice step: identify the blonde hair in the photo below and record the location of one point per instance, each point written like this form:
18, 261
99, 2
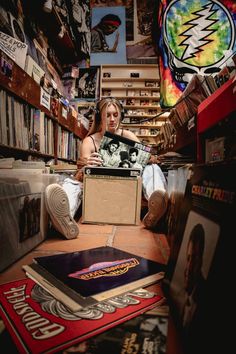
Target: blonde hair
101, 106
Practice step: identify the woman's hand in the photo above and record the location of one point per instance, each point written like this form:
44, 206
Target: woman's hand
94, 159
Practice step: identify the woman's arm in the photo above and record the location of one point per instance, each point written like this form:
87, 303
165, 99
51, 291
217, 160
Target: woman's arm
88, 154
130, 135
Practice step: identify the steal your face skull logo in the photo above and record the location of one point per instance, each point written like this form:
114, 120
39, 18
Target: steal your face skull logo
199, 36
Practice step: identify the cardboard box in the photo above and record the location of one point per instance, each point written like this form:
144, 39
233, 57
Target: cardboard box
113, 198
23, 217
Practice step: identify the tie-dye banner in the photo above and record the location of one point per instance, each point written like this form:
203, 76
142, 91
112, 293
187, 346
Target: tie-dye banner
196, 37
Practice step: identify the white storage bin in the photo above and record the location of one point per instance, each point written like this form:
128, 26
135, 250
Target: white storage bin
23, 218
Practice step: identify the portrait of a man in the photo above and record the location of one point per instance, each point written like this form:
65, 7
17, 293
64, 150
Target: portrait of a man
189, 281
107, 25
108, 41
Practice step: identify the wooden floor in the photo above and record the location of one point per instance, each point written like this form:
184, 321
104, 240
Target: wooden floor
134, 239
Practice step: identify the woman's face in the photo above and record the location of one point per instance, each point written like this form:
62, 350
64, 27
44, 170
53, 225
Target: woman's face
111, 118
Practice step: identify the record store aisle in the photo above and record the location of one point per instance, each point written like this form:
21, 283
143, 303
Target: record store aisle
133, 239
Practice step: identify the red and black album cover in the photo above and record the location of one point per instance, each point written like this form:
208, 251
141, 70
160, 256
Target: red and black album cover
83, 278
38, 323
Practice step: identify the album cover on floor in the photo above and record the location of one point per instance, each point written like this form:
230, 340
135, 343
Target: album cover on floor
83, 278
38, 323
145, 333
118, 151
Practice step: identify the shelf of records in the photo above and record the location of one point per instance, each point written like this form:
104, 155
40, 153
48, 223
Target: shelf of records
126, 81
204, 98
139, 92
22, 98
140, 103
198, 90
137, 87
27, 87
140, 112
151, 117
216, 125
136, 102
27, 128
130, 72
136, 92
147, 125
144, 132
179, 140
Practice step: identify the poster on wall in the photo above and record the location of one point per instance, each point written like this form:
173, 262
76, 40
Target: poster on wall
139, 25
86, 85
129, 13
141, 46
75, 15
108, 45
191, 41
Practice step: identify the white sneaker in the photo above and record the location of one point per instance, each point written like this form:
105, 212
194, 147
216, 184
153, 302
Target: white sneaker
74, 194
157, 206
57, 205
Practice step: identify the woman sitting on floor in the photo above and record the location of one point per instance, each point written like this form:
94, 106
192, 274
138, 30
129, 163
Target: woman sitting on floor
62, 201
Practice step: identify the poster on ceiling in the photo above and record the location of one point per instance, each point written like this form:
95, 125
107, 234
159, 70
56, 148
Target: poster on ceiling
195, 37
108, 45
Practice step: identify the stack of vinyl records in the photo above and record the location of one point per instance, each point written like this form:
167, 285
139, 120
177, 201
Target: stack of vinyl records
172, 160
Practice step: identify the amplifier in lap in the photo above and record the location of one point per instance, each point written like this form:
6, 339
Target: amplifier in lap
112, 196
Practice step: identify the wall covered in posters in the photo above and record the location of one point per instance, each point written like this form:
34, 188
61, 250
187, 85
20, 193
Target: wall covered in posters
195, 37
139, 21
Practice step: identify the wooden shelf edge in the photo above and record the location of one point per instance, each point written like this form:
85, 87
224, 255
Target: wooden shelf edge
217, 106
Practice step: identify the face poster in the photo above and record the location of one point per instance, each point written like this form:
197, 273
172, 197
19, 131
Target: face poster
129, 13
108, 38
194, 37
